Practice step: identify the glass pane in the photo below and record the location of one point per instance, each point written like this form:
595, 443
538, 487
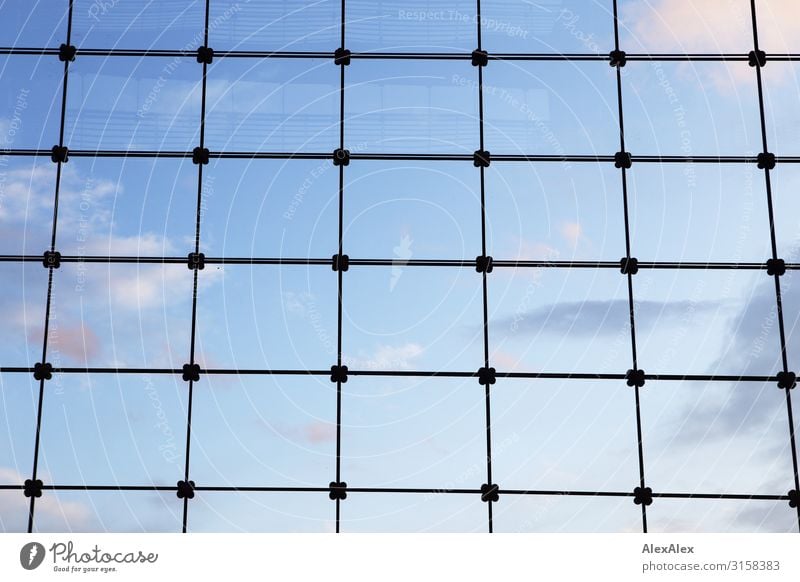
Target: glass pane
716, 438
22, 306
267, 317
122, 315
108, 511
412, 25
564, 435
781, 85
127, 207
531, 514
275, 26
706, 322
551, 108
271, 431
554, 211
270, 208
30, 94
33, 24
785, 185
790, 297
697, 108
427, 210
273, 105
429, 319
14, 517
698, 212
134, 103
415, 107
19, 394
559, 320
105, 429
261, 512
413, 432
547, 26
720, 516
413, 513
777, 26
156, 24
27, 191
686, 26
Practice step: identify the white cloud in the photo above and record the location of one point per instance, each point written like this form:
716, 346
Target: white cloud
147, 244
711, 26
691, 25
299, 304
51, 514
571, 232
524, 249
76, 341
386, 357
27, 197
153, 286
314, 432
26, 193
144, 288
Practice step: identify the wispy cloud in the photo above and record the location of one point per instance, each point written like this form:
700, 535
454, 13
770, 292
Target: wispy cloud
702, 26
571, 232
78, 342
121, 299
754, 347
28, 198
601, 317
52, 514
693, 25
318, 432
385, 357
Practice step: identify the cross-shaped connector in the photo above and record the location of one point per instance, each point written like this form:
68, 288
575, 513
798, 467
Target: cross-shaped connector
643, 496
43, 371
59, 154
623, 160
341, 157
490, 492
481, 159
776, 267
205, 55
185, 489
339, 374
191, 372
51, 259
341, 56
338, 490
629, 265
617, 58
33, 488
480, 58
484, 264
200, 156
786, 380
765, 161
196, 261
66, 52
487, 376
634, 378
340, 263
757, 58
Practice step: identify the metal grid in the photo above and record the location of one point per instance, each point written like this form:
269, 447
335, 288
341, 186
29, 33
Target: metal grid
486, 375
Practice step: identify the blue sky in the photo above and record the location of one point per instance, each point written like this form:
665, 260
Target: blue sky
397, 432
